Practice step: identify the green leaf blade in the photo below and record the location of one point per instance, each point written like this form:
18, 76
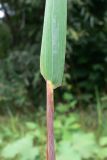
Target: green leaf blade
54, 41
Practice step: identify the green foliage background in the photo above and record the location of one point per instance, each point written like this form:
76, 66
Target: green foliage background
81, 103
86, 53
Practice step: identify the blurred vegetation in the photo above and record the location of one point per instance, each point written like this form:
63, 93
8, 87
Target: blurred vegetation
81, 104
86, 60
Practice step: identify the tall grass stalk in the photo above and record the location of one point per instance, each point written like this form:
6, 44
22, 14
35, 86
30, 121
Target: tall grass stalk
50, 126
52, 59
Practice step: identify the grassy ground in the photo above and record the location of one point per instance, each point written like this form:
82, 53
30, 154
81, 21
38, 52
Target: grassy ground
77, 134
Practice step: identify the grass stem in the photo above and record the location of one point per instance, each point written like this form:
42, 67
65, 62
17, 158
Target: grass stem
50, 122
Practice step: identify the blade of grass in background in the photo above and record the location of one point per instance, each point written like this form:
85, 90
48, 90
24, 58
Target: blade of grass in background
52, 59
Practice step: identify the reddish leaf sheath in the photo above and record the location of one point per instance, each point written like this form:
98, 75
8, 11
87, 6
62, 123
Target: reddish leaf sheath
50, 119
